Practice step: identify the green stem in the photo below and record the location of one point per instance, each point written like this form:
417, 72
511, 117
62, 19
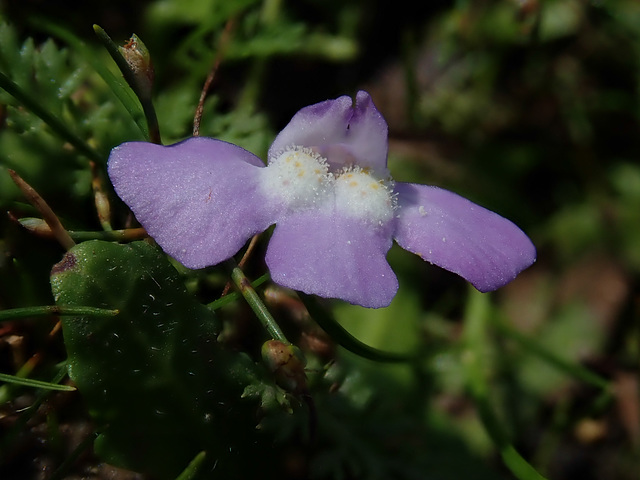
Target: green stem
25, 312
253, 299
54, 122
476, 341
194, 466
126, 235
230, 297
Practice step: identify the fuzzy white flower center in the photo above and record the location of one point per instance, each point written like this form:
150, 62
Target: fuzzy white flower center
360, 194
299, 177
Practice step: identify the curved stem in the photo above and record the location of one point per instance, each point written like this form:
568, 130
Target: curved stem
338, 333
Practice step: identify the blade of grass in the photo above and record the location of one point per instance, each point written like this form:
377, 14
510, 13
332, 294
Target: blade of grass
572, 369
475, 340
30, 382
192, 469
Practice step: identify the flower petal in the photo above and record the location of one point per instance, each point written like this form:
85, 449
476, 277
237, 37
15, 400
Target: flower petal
460, 236
341, 132
325, 254
199, 199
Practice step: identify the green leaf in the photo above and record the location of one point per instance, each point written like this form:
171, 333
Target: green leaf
155, 379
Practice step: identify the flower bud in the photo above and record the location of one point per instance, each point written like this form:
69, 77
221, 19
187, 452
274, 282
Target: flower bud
139, 60
287, 363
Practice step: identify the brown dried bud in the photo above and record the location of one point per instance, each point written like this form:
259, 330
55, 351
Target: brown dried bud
139, 60
287, 363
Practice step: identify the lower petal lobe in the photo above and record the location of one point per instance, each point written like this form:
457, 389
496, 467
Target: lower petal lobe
333, 256
456, 234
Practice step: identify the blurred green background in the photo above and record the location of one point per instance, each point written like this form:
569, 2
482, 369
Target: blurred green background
530, 108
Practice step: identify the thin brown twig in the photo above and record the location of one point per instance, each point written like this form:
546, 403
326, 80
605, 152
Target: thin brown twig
101, 199
222, 44
243, 261
48, 215
39, 227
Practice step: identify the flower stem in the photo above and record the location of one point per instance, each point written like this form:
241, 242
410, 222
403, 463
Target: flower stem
253, 299
230, 297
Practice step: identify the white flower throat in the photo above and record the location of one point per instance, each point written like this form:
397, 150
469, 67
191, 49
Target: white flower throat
302, 179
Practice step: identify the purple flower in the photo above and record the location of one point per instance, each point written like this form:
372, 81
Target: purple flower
328, 191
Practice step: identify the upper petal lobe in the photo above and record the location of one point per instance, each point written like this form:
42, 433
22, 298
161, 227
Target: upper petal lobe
343, 133
460, 236
198, 199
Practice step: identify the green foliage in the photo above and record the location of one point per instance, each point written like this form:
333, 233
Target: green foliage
60, 101
529, 108
157, 383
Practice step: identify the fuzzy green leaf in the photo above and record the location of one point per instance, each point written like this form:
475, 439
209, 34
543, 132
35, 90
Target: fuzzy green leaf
155, 379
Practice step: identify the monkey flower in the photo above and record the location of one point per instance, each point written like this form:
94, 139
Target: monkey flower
335, 207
